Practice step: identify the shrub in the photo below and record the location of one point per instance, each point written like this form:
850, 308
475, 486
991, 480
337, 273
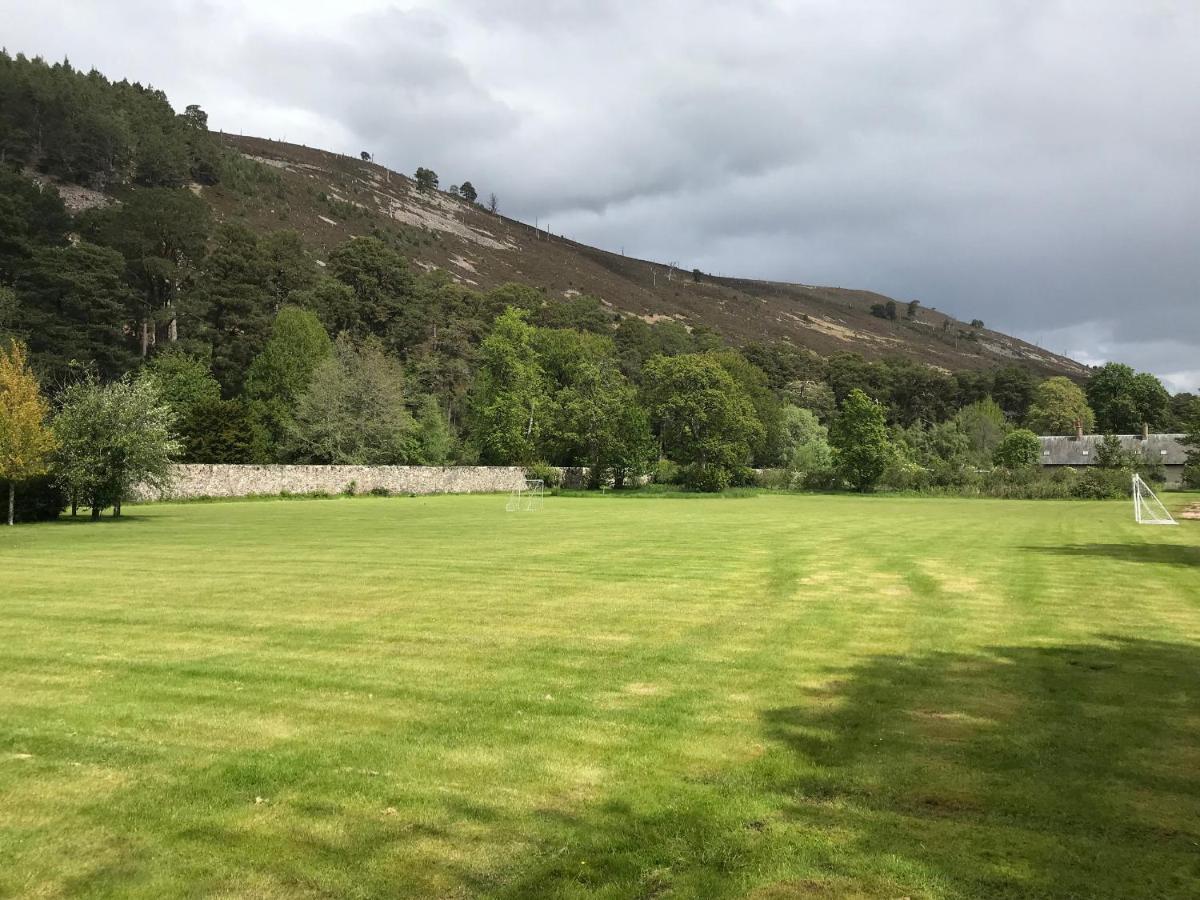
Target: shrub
1018, 450
666, 472
551, 475
380, 492
38, 500
710, 479
1102, 484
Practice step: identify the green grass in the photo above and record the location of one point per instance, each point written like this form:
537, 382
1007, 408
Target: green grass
774, 696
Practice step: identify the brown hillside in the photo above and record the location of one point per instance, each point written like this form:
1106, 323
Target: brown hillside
329, 198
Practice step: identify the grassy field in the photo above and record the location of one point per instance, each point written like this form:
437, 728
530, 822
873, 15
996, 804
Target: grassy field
773, 696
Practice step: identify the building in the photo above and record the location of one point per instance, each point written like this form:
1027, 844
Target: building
1077, 451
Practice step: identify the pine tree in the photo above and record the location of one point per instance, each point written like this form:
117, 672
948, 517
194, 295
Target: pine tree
25, 441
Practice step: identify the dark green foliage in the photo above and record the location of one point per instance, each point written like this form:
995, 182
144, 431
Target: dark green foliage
382, 294
31, 218
467, 191
884, 310
1018, 450
162, 235
89, 130
222, 431
703, 417
39, 500
584, 313
1124, 400
75, 310
860, 441
1013, 388
426, 179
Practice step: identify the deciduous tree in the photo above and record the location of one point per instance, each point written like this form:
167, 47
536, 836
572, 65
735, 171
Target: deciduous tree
860, 442
25, 441
1058, 406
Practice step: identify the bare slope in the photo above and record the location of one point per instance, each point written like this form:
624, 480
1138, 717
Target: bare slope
329, 198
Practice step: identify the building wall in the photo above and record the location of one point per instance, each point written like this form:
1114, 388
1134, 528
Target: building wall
194, 480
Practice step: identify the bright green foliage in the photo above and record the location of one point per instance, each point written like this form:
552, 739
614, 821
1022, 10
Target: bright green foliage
1058, 406
223, 431
76, 309
595, 419
766, 697
1019, 450
984, 425
703, 417
806, 450
510, 404
281, 373
112, 438
183, 380
434, 437
860, 442
353, 412
767, 450
1124, 400
25, 441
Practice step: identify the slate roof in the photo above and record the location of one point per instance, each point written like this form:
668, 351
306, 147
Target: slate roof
1166, 449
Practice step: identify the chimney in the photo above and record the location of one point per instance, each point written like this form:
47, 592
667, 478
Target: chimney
1079, 429
1145, 431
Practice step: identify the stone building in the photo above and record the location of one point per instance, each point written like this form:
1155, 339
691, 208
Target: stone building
1080, 450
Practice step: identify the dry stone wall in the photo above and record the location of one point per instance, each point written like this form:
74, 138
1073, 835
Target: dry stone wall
193, 480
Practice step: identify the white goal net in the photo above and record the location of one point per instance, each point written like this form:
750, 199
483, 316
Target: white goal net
1147, 508
527, 497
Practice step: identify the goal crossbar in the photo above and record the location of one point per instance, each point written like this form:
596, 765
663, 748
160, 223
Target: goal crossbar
526, 497
1147, 508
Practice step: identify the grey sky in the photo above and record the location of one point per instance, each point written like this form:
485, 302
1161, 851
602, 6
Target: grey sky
1033, 164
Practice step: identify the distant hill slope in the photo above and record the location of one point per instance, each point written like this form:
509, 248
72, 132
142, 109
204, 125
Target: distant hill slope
328, 197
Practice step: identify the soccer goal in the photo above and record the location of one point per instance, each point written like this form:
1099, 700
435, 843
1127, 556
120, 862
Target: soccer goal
526, 497
1147, 508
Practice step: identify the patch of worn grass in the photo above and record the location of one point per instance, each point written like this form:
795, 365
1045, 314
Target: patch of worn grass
778, 697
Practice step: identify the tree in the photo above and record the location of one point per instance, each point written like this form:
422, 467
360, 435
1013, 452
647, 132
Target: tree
162, 235
815, 396
112, 438
1191, 468
223, 431
183, 380
25, 442
1058, 407
493, 204
383, 295
467, 191
1124, 400
806, 450
1018, 450
434, 438
1013, 388
703, 417
884, 310
365, 156
510, 398
595, 419
76, 309
281, 373
860, 442
984, 425
353, 411
426, 179
913, 307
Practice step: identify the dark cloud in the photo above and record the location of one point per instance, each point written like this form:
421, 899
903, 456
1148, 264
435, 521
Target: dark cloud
1029, 163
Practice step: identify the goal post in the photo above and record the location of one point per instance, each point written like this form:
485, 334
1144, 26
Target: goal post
1147, 508
526, 497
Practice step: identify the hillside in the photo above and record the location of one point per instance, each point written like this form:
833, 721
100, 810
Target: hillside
328, 198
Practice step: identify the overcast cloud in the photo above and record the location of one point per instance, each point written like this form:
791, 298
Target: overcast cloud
1033, 164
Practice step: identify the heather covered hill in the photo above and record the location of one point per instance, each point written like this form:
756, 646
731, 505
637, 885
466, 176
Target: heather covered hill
329, 197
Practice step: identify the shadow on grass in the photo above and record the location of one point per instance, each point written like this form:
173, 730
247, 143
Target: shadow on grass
1023, 772
1162, 554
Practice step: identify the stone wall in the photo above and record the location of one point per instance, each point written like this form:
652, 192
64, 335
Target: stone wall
193, 480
